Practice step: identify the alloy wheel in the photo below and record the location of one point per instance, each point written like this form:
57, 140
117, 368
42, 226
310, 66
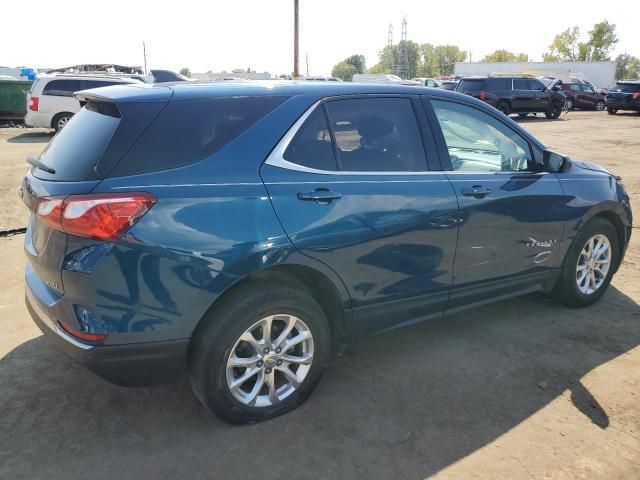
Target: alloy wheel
270, 360
593, 265
600, 106
62, 122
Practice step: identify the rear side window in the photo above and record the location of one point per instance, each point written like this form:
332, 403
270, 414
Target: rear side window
311, 147
190, 130
471, 86
499, 84
75, 150
377, 134
625, 88
62, 88
521, 84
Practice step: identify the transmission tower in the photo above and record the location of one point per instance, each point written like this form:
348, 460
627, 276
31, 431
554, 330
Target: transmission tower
402, 69
389, 60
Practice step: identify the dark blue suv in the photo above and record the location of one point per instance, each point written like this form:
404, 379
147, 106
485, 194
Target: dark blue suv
242, 232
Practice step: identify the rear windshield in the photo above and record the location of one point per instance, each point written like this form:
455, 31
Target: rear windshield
471, 86
625, 88
75, 150
189, 130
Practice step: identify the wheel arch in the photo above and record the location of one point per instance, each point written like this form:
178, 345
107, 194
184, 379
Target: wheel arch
316, 283
615, 220
56, 117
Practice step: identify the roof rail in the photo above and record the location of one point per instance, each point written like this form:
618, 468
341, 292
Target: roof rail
99, 67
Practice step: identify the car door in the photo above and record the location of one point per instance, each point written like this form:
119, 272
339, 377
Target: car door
589, 96
523, 100
541, 96
351, 184
511, 212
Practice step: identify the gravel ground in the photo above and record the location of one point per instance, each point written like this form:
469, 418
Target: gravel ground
520, 389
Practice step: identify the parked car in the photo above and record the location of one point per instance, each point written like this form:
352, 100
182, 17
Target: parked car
245, 231
624, 95
582, 95
514, 94
322, 79
50, 101
427, 82
382, 78
448, 84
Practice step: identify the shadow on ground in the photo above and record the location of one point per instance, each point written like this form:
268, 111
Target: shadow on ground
31, 137
404, 404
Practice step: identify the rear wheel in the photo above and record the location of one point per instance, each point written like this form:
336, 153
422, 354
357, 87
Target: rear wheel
589, 264
611, 111
260, 354
61, 120
600, 106
568, 104
504, 108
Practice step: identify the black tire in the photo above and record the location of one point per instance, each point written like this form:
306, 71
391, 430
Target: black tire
504, 107
611, 111
523, 115
566, 289
60, 120
554, 112
223, 326
568, 104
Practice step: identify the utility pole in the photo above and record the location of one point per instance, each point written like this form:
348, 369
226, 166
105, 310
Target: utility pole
144, 53
296, 72
306, 58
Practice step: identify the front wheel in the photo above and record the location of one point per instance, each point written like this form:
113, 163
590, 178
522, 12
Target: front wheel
504, 108
568, 104
589, 265
554, 112
260, 353
600, 106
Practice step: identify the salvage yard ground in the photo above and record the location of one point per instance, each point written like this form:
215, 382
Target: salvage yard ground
515, 390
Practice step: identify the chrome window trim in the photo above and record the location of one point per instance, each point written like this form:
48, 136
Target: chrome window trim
276, 158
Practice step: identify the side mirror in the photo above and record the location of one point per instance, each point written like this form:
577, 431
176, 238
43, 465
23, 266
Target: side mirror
555, 162
556, 88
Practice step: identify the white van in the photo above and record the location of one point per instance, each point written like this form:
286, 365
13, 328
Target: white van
50, 101
382, 78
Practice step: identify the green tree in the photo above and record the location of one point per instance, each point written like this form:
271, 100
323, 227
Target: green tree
428, 63
602, 39
446, 58
566, 46
379, 68
628, 67
344, 70
186, 72
358, 61
505, 56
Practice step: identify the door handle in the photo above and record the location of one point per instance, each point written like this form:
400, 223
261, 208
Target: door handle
320, 195
477, 191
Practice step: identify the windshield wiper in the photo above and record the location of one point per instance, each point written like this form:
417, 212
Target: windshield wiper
38, 164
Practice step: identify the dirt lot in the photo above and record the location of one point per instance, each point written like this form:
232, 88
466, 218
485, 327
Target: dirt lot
521, 389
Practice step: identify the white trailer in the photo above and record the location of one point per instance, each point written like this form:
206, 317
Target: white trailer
600, 74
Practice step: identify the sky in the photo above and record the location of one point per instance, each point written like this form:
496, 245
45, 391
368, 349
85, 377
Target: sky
222, 35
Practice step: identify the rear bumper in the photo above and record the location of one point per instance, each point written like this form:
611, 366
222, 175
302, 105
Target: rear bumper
137, 364
37, 119
623, 104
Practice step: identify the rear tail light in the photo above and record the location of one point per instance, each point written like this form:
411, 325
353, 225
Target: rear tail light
103, 217
482, 95
33, 106
636, 96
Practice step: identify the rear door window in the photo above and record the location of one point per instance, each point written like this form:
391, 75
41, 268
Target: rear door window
190, 130
377, 134
535, 85
62, 87
311, 147
75, 150
499, 84
520, 84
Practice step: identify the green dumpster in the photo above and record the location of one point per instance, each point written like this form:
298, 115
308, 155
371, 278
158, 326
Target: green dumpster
13, 99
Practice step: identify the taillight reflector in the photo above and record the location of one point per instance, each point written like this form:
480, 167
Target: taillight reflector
636, 95
87, 337
33, 106
103, 217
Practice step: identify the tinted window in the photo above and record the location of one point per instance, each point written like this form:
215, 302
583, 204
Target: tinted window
75, 150
625, 87
377, 134
575, 87
520, 84
189, 130
470, 86
535, 84
62, 88
311, 147
499, 84
478, 142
